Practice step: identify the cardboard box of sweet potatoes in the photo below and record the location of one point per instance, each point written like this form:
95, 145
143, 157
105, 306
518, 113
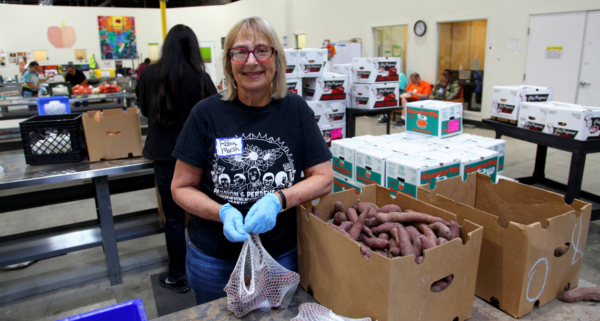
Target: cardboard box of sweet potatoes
333, 268
533, 242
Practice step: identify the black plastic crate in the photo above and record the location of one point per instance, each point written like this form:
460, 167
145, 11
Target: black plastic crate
53, 139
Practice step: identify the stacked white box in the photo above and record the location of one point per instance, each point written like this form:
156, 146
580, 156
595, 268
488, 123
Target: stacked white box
573, 121
332, 132
371, 70
291, 56
294, 85
372, 96
434, 118
317, 108
369, 164
506, 100
345, 69
343, 157
475, 159
329, 86
532, 116
333, 112
311, 62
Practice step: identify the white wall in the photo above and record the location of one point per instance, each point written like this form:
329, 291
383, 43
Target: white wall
318, 19
24, 28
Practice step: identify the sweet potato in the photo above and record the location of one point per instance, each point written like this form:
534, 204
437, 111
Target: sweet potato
390, 208
357, 227
419, 260
441, 230
373, 206
346, 226
412, 231
406, 217
417, 246
367, 231
440, 241
454, 230
315, 212
365, 250
337, 228
395, 252
384, 236
426, 243
383, 253
424, 228
404, 243
374, 243
372, 222
338, 207
339, 218
372, 213
393, 241
581, 294
560, 250
362, 206
351, 215
385, 227
439, 286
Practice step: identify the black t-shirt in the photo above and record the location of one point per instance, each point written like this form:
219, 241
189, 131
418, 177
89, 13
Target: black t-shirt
75, 79
192, 88
246, 153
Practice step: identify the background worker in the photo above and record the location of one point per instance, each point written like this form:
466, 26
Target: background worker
446, 88
417, 89
76, 77
32, 80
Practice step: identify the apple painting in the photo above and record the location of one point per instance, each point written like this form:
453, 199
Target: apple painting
62, 37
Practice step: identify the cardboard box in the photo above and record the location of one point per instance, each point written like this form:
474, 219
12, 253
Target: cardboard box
522, 225
532, 116
434, 118
291, 56
333, 132
405, 174
341, 279
345, 69
311, 62
573, 121
328, 87
377, 69
294, 85
506, 100
116, 135
343, 156
475, 159
317, 108
333, 112
497, 145
345, 184
370, 164
371, 96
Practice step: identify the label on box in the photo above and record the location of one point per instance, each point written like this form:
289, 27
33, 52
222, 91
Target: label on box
389, 97
336, 133
390, 67
562, 132
343, 167
430, 177
505, 108
400, 187
426, 121
291, 87
451, 126
486, 166
537, 97
366, 176
363, 74
341, 185
312, 68
534, 126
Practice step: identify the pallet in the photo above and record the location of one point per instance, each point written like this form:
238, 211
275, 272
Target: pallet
504, 120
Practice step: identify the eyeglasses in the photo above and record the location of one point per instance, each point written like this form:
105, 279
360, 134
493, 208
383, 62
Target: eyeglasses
262, 53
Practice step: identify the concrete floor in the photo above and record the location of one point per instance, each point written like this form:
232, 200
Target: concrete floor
59, 280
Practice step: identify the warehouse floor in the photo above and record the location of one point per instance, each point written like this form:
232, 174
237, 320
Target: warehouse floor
77, 282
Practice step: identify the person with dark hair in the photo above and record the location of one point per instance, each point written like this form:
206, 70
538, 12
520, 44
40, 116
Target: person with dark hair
166, 93
32, 80
141, 67
75, 77
446, 88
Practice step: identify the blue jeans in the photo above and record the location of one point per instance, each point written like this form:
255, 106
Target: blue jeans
208, 276
78, 104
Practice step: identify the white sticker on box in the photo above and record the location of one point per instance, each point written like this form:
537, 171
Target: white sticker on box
229, 146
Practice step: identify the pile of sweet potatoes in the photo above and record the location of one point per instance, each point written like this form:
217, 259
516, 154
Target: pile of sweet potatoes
391, 232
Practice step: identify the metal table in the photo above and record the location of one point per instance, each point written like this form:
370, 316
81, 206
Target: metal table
105, 231
352, 113
579, 149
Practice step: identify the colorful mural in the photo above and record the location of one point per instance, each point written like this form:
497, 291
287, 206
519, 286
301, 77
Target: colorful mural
117, 37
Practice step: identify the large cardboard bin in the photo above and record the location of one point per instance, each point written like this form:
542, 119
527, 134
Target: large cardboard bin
522, 226
114, 134
341, 279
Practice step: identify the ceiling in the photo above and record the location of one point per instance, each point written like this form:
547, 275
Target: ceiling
123, 3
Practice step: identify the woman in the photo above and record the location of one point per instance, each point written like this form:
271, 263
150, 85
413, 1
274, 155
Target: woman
446, 88
166, 93
32, 80
259, 131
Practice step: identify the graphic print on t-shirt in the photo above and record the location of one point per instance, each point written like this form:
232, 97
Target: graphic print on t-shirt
264, 166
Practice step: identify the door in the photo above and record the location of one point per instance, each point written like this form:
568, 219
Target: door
207, 50
554, 53
589, 80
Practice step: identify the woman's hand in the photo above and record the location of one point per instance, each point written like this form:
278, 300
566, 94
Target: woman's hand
233, 223
262, 216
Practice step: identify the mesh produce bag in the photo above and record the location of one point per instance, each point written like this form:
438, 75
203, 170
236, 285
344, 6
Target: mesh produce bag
258, 281
316, 312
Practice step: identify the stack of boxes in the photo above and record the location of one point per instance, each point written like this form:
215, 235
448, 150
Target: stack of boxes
325, 93
375, 82
507, 100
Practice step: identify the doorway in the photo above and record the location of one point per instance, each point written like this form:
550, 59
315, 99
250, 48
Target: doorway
391, 41
301, 41
563, 53
462, 50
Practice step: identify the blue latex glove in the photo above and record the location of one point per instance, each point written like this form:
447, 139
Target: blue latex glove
262, 216
233, 223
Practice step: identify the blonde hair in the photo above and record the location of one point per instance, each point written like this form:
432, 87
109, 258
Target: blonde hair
261, 27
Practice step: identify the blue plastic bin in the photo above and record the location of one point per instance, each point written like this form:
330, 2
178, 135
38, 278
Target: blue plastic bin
132, 310
43, 101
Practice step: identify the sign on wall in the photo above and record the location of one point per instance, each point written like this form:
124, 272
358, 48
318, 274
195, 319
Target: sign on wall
117, 37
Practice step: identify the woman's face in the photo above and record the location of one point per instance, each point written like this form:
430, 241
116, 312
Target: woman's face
253, 75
